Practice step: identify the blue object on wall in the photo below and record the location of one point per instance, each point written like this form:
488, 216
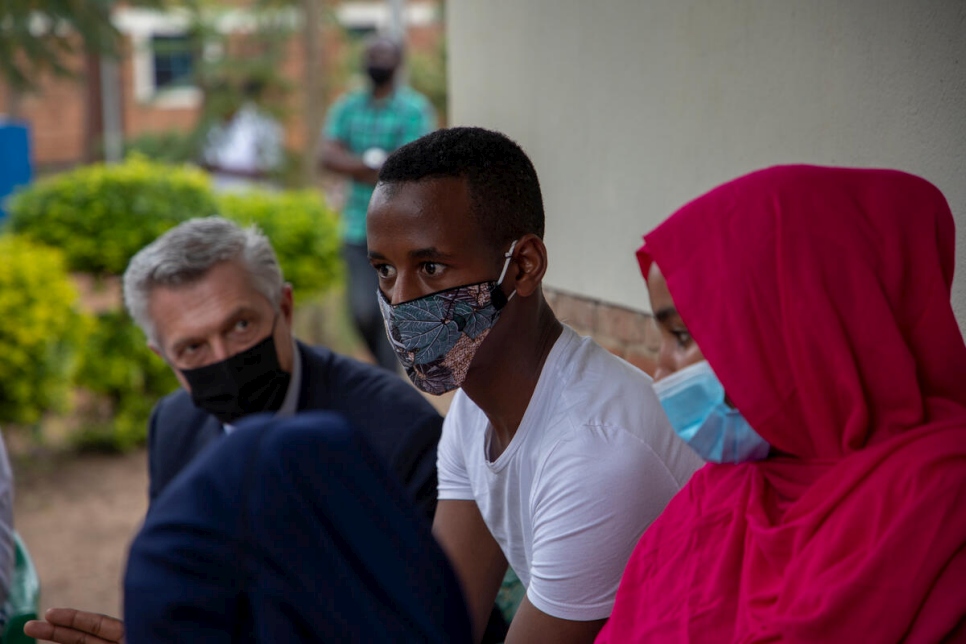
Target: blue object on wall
15, 169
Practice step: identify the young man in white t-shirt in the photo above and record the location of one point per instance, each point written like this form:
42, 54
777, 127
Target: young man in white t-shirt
555, 455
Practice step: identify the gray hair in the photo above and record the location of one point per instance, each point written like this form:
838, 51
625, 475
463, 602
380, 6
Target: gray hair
184, 254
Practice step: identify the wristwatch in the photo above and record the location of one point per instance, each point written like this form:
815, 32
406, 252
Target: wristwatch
374, 158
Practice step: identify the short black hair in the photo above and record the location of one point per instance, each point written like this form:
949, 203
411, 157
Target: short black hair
502, 183
377, 39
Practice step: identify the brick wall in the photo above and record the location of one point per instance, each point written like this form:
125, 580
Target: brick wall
628, 334
57, 115
58, 112
144, 118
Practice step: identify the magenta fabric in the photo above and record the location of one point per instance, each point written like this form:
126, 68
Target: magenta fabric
821, 298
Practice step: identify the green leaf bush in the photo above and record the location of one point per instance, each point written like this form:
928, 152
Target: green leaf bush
168, 146
93, 220
117, 364
302, 229
40, 328
100, 215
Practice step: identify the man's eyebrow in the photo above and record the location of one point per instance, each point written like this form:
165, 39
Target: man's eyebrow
236, 313
422, 253
226, 323
429, 253
666, 313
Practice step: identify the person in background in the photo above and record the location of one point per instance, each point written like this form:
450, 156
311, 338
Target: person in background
244, 148
361, 129
810, 352
555, 454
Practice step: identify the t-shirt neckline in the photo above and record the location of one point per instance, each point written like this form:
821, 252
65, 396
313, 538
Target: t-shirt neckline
545, 384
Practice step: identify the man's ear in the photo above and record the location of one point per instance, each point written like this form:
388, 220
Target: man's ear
530, 264
286, 305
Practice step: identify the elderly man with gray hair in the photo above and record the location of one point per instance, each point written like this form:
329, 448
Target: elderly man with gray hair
211, 300
210, 297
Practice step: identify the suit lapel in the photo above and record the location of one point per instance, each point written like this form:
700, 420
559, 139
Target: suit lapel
314, 388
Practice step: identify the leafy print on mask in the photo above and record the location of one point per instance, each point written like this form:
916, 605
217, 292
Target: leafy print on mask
428, 328
435, 379
435, 337
472, 315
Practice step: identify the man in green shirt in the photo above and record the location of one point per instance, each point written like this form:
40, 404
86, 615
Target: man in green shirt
361, 129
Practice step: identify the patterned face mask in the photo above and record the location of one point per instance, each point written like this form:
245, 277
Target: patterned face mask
436, 336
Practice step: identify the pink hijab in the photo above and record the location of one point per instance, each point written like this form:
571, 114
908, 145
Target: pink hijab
821, 298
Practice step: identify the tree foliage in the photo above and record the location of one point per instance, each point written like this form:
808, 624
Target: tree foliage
43, 36
427, 75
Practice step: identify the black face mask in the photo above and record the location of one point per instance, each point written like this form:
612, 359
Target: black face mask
380, 75
246, 383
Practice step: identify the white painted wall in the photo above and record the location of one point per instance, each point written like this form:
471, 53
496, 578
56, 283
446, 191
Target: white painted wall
630, 108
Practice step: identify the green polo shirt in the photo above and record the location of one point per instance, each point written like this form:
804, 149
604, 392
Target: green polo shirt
360, 123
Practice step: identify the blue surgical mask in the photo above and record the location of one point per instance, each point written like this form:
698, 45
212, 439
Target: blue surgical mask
694, 401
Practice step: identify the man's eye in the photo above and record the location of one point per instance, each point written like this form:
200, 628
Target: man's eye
431, 268
242, 325
385, 270
683, 338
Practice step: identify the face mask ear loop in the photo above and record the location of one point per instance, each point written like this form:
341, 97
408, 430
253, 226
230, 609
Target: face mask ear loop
506, 264
497, 296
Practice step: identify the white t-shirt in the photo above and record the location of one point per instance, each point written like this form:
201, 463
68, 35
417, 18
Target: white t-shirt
250, 142
592, 464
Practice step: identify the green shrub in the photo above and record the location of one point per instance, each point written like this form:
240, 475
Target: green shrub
116, 364
303, 231
427, 75
100, 215
39, 330
171, 146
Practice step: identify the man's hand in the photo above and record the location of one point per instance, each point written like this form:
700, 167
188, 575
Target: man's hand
71, 626
336, 157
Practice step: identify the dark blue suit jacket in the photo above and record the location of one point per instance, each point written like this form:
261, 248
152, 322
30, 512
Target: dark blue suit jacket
290, 531
398, 423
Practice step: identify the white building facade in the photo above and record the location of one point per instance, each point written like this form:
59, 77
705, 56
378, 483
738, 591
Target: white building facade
630, 108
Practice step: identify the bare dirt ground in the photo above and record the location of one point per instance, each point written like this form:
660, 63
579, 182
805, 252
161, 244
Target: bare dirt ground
77, 514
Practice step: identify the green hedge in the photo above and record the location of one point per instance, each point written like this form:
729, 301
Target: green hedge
303, 231
96, 218
100, 215
116, 364
169, 146
39, 330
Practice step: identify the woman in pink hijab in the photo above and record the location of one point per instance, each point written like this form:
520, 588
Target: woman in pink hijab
809, 347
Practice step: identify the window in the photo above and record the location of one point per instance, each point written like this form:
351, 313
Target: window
173, 61
163, 60
360, 33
